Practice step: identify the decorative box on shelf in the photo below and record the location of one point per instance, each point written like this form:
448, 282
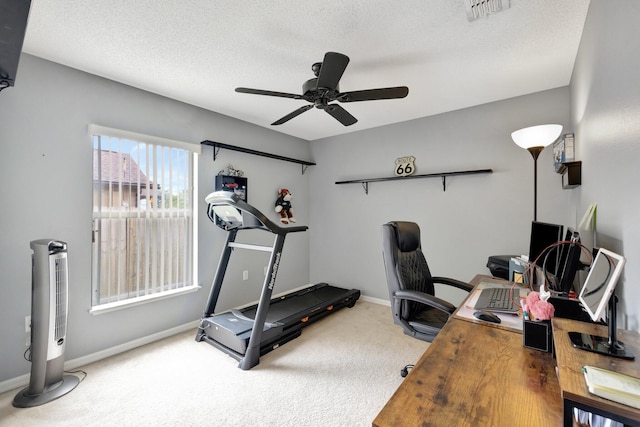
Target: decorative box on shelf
572, 171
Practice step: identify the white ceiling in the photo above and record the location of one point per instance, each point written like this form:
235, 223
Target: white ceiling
199, 51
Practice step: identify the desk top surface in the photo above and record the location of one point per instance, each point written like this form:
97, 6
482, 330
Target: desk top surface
465, 310
476, 374
570, 361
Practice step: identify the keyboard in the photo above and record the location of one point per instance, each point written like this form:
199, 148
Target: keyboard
498, 299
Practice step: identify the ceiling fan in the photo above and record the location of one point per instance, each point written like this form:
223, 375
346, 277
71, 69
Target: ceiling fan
323, 89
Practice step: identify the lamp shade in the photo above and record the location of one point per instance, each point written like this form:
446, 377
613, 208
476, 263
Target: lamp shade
536, 136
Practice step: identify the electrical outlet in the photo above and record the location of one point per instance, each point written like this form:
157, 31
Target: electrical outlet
245, 275
28, 343
265, 271
27, 323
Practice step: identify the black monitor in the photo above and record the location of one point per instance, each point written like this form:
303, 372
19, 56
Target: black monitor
569, 261
542, 236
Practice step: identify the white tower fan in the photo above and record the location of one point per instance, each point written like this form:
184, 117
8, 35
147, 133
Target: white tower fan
49, 306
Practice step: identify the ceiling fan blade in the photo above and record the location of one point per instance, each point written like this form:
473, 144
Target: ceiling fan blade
292, 115
268, 93
331, 71
373, 94
340, 114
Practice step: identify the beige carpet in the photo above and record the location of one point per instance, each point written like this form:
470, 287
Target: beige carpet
340, 372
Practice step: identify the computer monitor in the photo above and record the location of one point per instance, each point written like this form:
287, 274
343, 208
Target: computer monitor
543, 235
569, 261
596, 296
600, 283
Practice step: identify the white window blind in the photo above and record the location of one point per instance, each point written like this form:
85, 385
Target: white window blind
144, 235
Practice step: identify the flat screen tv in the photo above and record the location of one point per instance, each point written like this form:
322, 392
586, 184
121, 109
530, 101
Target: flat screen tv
13, 26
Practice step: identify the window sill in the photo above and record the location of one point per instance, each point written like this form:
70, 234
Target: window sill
113, 306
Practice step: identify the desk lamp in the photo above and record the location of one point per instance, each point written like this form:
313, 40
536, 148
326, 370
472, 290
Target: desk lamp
534, 139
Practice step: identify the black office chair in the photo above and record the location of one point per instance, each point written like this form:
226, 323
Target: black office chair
414, 305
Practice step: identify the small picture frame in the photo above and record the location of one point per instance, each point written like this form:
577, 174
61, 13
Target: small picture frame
563, 151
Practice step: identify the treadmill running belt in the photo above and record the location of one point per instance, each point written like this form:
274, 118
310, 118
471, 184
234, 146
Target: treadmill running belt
302, 303
287, 315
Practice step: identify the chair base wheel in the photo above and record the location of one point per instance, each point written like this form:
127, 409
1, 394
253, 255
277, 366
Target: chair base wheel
405, 371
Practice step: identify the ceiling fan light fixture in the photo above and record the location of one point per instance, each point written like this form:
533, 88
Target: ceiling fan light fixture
477, 9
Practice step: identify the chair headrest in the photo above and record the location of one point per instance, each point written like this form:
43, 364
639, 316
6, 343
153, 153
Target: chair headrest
407, 234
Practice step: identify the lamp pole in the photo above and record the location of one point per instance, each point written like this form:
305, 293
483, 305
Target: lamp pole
535, 152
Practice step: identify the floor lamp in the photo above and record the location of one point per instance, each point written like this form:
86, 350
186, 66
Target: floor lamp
534, 139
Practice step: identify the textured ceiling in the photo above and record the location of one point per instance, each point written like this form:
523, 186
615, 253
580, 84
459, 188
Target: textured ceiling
199, 51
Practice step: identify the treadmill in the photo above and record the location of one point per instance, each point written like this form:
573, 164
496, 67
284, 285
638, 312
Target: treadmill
248, 333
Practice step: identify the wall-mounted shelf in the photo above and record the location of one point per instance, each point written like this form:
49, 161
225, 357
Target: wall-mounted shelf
218, 145
573, 172
443, 175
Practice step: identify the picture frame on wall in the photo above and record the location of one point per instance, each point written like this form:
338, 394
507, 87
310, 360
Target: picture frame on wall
563, 151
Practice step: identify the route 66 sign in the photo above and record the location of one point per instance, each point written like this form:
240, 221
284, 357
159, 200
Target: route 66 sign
405, 166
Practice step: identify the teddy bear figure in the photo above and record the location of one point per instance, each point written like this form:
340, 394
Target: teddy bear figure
283, 206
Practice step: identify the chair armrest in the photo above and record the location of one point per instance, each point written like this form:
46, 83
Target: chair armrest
453, 282
425, 299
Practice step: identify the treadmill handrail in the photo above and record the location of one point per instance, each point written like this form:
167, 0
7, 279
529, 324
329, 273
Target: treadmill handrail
221, 198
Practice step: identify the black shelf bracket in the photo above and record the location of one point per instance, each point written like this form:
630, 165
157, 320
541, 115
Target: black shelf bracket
443, 175
218, 145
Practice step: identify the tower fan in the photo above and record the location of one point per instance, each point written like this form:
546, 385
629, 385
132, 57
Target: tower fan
49, 304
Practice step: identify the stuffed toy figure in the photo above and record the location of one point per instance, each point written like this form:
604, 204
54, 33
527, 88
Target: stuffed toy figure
283, 206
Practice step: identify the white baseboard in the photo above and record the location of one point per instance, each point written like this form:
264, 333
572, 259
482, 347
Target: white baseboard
375, 300
23, 380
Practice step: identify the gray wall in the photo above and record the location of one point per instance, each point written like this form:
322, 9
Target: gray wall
45, 168
605, 111
482, 215
477, 215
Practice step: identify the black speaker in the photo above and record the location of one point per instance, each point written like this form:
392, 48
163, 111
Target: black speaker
14, 15
537, 335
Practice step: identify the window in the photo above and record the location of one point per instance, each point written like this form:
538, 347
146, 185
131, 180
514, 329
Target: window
144, 230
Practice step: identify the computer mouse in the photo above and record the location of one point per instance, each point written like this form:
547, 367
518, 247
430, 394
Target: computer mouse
487, 316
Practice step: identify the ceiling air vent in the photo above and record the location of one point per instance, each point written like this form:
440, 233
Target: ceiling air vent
477, 9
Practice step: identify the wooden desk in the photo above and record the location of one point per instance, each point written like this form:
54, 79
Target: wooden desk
476, 374
570, 361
